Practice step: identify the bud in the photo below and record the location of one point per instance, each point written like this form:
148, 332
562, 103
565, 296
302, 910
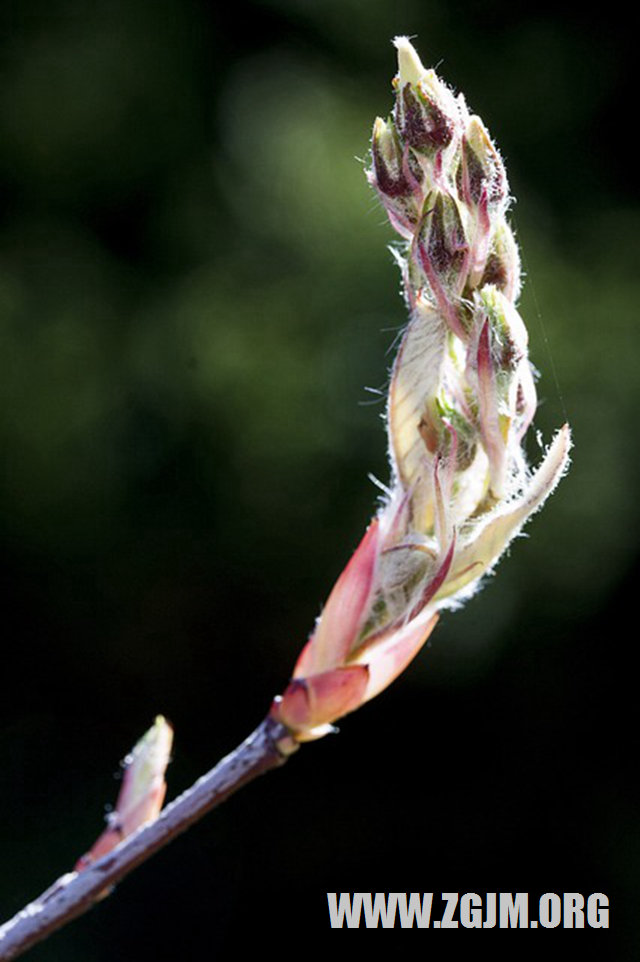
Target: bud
447, 433
442, 245
481, 176
422, 123
142, 793
442, 252
502, 266
462, 392
461, 397
427, 113
397, 177
498, 367
482, 188
410, 67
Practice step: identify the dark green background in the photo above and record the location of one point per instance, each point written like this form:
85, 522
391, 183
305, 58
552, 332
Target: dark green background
194, 294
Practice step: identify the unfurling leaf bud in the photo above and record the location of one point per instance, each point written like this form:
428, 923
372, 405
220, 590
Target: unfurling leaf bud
461, 396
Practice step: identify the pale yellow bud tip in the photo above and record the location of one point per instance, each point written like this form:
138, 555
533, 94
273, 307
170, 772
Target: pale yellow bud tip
410, 67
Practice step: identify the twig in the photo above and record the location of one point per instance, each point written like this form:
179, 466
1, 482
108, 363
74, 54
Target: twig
75, 893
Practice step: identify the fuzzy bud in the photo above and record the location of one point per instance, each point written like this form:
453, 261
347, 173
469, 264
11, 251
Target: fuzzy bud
397, 177
502, 265
461, 396
422, 123
499, 369
442, 253
481, 177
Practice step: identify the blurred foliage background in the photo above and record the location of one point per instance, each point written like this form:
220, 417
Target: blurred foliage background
195, 296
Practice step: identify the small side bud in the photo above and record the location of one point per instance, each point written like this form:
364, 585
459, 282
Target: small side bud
142, 793
143, 785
